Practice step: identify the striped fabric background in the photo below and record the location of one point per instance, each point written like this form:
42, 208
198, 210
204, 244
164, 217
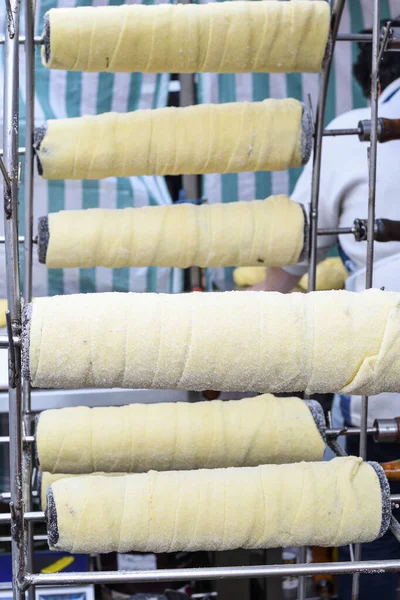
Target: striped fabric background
344, 94
60, 94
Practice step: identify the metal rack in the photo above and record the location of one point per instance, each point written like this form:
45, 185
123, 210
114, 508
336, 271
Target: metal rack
21, 517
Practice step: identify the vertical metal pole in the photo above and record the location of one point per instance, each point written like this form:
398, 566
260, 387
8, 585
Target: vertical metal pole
187, 97
316, 176
10, 147
372, 157
302, 580
30, 107
315, 186
28, 222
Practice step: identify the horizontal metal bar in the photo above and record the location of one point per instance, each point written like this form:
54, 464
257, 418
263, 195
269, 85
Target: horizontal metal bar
371, 567
38, 40
394, 42
336, 132
342, 37
20, 151
336, 231
28, 439
21, 239
395, 497
4, 341
7, 495
349, 431
32, 517
37, 538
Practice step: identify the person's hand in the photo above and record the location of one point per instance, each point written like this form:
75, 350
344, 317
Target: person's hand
277, 280
258, 287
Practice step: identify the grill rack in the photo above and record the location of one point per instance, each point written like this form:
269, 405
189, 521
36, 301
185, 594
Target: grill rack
21, 517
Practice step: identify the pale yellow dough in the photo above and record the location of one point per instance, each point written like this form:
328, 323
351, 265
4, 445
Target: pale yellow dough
223, 37
331, 275
48, 478
324, 504
3, 308
211, 138
269, 232
176, 436
322, 342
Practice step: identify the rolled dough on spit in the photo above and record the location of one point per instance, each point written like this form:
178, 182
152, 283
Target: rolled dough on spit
225, 37
181, 435
323, 504
322, 342
269, 232
271, 135
45, 480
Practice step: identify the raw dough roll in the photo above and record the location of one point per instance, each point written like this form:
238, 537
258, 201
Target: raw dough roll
212, 138
46, 479
323, 504
269, 232
322, 342
331, 275
223, 37
181, 435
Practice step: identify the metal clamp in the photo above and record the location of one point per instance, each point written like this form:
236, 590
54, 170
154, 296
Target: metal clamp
387, 430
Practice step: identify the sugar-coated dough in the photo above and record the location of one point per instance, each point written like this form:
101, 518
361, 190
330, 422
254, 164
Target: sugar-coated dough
223, 37
322, 342
323, 504
269, 232
210, 138
175, 436
46, 479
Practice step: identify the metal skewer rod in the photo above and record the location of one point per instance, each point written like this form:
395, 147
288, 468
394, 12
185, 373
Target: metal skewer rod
337, 132
21, 239
20, 151
7, 495
28, 439
349, 431
4, 341
394, 42
36, 538
336, 231
32, 517
299, 570
37, 40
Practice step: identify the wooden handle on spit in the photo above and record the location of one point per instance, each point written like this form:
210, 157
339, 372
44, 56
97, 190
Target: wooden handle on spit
392, 470
389, 130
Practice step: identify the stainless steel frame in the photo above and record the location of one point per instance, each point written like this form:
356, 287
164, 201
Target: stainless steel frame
21, 518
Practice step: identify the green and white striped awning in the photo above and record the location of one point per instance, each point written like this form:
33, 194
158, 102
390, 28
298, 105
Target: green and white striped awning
61, 94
